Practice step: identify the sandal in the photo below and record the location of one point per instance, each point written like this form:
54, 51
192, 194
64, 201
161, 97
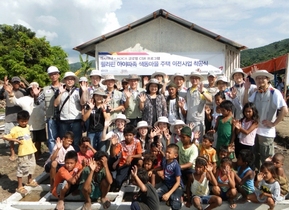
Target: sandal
232, 204
106, 204
33, 183
22, 191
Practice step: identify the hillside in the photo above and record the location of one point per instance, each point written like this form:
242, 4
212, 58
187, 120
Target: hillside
267, 52
248, 57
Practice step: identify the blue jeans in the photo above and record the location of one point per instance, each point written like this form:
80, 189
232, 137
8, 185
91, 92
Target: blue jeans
53, 133
75, 127
95, 138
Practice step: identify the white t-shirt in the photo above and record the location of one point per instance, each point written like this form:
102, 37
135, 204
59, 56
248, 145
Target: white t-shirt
172, 115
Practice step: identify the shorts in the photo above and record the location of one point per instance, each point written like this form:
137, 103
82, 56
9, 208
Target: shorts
47, 167
204, 199
8, 126
39, 136
223, 195
60, 186
26, 165
95, 191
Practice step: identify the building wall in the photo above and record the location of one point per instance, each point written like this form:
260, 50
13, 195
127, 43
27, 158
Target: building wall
162, 35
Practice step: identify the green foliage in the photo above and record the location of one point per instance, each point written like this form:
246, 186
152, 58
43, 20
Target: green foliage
273, 50
85, 68
76, 66
23, 54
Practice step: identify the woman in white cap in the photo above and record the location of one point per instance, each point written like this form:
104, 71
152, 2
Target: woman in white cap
152, 104
95, 111
143, 134
175, 129
160, 134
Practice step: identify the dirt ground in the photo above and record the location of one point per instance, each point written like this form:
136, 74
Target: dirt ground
8, 180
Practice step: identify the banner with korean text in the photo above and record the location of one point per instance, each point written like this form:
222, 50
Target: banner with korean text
146, 63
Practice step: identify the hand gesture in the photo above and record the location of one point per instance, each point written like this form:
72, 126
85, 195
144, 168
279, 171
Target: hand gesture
209, 167
92, 164
155, 131
90, 104
127, 93
260, 176
104, 162
247, 84
114, 139
167, 135
227, 170
61, 89
150, 173
58, 143
145, 81
191, 126
107, 122
181, 103
142, 97
8, 87
201, 87
208, 110
83, 86
231, 148
36, 90
166, 197
237, 124
134, 171
197, 135
233, 93
166, 79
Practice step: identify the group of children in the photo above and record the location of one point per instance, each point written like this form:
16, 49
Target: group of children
166, 162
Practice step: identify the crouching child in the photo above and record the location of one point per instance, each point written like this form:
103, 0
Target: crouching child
171, 188
95, 180
147, 198
66, 179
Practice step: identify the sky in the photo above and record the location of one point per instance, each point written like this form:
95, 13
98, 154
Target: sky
69, 23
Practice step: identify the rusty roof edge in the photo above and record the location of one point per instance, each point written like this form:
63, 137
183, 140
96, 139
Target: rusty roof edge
151, 16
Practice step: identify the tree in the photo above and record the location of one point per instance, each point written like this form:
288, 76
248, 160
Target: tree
85, 67
23, 54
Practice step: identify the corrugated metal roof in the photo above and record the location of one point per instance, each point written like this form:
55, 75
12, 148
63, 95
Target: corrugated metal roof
88, 47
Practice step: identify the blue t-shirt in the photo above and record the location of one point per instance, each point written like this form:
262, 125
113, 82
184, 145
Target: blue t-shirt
171, 171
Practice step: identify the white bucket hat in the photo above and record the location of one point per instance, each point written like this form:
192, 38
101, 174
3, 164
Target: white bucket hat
178, 75
163, 120
177, 122
158, 73
154, 81
262, 73
196, 74
100, 92
33, 84
52, 69
70, 74
223, 79
237, 70
95, 72
108, 77
143, 124
133, 76
83, 79
120, 117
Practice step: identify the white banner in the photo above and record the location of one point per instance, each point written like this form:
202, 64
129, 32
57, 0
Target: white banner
146, 63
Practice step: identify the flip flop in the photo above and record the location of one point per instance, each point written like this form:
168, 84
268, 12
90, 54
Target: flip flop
106, 204
22, 191
33, 183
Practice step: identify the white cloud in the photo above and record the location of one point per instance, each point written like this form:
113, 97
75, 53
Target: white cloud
49, 35
48, 20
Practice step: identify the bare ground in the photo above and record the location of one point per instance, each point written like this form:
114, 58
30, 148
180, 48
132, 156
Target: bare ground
8, 180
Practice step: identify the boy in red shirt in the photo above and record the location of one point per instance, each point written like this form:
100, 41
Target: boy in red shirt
130, 151
86, 151
66, 178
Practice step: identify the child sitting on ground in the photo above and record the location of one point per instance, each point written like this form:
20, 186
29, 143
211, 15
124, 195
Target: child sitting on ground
130, 151
95, 180
171, 188
66, 178
199, 191
86, 151
157, 153
268, 188
278, 160
188, 152
149, 162
206, 150
56, 159
26, 150
147, 197
245, 175
225, 176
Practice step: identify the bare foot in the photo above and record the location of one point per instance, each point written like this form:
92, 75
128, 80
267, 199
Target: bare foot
86, 206
60, 205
